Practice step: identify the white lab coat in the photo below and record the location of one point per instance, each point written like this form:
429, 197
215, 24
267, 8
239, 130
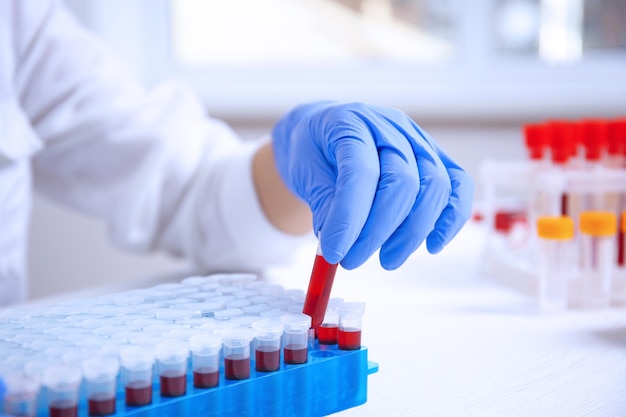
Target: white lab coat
160, 172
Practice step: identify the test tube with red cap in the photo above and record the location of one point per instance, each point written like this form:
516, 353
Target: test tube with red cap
594, 139
205, 359
100, 375
616, 159
536, 141
561, 140
236, 342
63, 382
172, 356
137, 363
598, 229
350, 325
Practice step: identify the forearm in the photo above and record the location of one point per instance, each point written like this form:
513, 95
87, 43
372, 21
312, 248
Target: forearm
283, 209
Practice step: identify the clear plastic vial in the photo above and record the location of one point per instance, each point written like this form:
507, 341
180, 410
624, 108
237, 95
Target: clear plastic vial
598, 230
267, 345
20, 398
236, 343
172, 357
137, 363
556, 244
62, 382
205, 360
100, 375
296, 327
350, 325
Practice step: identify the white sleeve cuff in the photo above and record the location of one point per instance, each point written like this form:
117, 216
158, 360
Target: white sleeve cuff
252, 242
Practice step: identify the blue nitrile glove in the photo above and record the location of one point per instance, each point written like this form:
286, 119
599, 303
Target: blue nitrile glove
373, 179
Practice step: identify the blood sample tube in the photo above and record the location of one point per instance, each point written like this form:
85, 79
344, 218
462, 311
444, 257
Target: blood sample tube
172, 357
20, 398
327, 332
598, 229
100, 374
536, 140
62, 382
267, 344
350, 325
616, 159
205, 360
137, 363
236, 343
561, 140
618, 287
556, 234
296, 326
320, 285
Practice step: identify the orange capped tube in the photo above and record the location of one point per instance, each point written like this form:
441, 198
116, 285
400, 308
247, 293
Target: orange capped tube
598, 230
556, 234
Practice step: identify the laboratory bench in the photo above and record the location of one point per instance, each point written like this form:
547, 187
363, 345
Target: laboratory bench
451, 341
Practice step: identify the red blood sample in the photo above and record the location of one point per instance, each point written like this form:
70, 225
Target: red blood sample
206, 377
101, 404
173, 384
267, 358
349, 338
327, 334
63, 409
138, 393
318, 293
237, 367
620, 248
295, 354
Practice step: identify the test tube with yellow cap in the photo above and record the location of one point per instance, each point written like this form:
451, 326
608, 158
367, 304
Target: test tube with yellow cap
556, 234
598, 229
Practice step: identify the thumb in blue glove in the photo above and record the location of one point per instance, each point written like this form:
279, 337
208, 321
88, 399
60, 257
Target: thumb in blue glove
373, 180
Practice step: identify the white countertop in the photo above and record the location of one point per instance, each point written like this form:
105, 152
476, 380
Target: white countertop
452, 343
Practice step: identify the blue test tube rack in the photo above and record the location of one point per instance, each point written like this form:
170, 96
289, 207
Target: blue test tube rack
332, 380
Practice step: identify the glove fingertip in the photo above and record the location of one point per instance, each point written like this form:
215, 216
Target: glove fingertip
331, 255
435, 242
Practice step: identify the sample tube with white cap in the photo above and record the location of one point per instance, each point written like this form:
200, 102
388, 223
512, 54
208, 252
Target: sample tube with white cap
172, 358
20, 398
137, 364
296, 327
236, 341
350, 325
205, 357
267, 349
100, 374
556, 239
63, 382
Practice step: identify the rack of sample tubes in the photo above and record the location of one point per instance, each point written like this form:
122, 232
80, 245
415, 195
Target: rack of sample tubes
573, 178
220, 345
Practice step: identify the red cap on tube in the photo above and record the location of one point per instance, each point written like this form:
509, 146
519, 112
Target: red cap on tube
616, 137
561, 138
593, 138
535, 140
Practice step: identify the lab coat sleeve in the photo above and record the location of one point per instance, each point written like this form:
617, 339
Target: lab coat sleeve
154, 166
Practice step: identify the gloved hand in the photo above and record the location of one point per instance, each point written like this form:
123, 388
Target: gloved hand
373, 179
